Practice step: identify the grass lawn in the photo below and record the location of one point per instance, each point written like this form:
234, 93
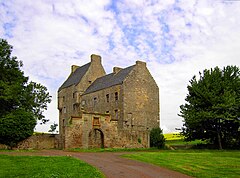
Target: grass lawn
197, 163
45, 167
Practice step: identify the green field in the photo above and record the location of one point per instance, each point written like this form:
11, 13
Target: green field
176, 141
45, 167
173, 136
196, 163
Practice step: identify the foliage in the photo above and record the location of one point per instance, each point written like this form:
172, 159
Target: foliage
194, 162
212, 111
53, 127
21, 103
16, 126
156, 138
48, 167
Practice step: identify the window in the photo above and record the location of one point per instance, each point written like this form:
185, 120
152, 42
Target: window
107, 112
94, 101
64, 110
73, 95
116, 114
116, 96
107, 98
63, 98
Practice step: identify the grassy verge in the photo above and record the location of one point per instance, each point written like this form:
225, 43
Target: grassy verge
47, 167
196, 163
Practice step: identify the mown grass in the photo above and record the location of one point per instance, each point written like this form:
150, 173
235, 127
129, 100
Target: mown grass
196, 163
45, 167
183, 142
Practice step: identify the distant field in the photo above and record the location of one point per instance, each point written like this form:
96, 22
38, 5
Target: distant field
196, 163
47, 167
176, 141
173, 136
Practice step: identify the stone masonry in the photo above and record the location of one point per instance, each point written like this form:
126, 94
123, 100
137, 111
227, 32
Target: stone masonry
114, 110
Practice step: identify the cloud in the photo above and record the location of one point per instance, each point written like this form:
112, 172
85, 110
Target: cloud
177, 39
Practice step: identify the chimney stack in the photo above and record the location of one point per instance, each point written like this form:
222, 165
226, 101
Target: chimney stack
74, 68
116, 69
141, 63
95, 59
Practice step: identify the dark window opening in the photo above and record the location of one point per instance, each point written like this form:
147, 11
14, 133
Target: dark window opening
116, 96
107, 97
63, 98
107, 112
116, 114
94, 101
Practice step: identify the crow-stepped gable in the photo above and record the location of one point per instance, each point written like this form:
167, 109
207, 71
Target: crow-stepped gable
114, 110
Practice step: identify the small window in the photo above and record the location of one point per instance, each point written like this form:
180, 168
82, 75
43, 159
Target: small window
89, 81
116, 96
94, 101
64, 110
73, 95
107, 98
107, 112
63, 98
116, 114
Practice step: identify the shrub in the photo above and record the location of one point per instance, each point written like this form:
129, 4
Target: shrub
156, 138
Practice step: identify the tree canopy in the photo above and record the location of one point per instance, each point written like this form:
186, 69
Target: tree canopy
21, 102
157, 138
212, 111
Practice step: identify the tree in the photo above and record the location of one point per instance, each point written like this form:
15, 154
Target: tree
156, 138
212, 111
21, 102
53, 127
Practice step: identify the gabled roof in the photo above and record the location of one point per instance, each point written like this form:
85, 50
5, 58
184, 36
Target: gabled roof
109, 80
75, 77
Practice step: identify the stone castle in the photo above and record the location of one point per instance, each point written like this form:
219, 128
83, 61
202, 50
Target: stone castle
114, 110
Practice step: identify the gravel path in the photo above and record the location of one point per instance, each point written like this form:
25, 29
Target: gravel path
112, 165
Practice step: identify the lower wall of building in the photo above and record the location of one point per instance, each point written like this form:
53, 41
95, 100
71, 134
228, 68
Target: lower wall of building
85, 132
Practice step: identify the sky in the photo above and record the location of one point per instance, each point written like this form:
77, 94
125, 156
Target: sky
177, 39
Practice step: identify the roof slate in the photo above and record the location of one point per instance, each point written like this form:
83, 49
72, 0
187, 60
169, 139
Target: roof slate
109, 80
76, 76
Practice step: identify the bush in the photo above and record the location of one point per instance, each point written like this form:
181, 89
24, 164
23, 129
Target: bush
156, 138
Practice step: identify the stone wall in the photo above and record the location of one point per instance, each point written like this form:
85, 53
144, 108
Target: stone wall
141, 100
38, 141
99, 130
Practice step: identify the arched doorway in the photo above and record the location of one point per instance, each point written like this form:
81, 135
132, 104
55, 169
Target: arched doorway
96, 139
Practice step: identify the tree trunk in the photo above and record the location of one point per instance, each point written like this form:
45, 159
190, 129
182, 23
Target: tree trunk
219, 141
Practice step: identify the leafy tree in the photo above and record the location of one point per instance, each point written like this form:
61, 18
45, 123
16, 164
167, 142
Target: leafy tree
212, 111
156, 138
53, 127
21, 103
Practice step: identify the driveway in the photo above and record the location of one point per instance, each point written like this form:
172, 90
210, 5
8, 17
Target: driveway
112, 165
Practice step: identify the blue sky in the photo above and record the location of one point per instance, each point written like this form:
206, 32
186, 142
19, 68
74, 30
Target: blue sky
176, 38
